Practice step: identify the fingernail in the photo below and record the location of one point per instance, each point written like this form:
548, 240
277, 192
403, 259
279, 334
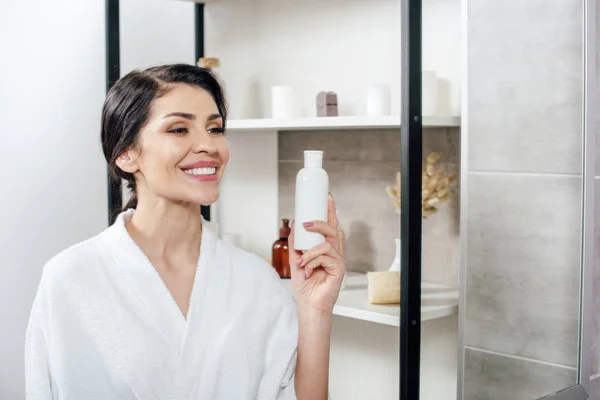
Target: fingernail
300, 261
306, 273
308, 224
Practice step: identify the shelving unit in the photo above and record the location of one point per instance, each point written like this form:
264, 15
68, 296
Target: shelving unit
291, 47
437, 301
391, 121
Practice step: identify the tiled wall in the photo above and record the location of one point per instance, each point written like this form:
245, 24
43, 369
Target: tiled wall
523, 198
595, 381
360, 164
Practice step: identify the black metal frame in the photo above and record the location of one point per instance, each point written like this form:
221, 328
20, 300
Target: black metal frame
411, 168
199, 44
113, 71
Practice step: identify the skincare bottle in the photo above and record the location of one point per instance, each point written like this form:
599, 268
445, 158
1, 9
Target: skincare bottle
280, 252
312, 190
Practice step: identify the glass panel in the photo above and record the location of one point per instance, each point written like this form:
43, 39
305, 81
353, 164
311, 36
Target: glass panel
522, 195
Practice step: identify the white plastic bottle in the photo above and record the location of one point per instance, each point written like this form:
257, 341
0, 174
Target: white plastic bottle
312, 190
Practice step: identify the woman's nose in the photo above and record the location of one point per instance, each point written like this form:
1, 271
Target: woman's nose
203, 143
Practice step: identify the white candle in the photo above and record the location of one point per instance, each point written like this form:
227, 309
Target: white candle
378, 100
429, 92
282, 102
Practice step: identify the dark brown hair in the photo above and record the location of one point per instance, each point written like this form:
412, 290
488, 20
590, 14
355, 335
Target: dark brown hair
127, 109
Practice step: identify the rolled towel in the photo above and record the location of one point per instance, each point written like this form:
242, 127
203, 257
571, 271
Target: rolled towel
384, 287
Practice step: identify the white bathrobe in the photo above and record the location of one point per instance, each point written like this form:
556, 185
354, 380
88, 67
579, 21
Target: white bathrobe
105, 327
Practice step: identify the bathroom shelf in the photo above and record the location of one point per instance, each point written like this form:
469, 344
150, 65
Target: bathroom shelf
437, 301
199, 1
320, 123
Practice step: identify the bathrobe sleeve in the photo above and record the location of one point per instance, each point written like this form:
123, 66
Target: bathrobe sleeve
37, 367
37, 353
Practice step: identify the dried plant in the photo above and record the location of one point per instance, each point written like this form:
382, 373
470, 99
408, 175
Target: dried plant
208, 62
436, 186
394, 193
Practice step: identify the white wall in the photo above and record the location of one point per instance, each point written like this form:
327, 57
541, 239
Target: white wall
53, 193
155, 32
248, 204
314, 45
53, 174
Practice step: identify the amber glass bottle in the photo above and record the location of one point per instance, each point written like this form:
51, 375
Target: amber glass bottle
280, 260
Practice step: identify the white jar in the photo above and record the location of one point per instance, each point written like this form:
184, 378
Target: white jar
396, 263
282, 102
429, 93
312, 191
378, 100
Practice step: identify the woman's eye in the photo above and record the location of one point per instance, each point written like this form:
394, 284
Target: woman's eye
180, 131
216, 130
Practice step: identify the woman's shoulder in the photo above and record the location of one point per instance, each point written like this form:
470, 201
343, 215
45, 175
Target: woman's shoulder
61, 271
72, 259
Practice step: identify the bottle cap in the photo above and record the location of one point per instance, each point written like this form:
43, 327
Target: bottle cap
313, 159
285, 231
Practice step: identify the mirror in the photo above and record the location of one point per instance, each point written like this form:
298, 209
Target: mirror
527, 199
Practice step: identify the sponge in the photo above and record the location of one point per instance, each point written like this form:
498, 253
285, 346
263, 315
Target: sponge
384, 287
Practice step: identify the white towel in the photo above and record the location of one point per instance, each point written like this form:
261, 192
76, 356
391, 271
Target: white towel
104, 326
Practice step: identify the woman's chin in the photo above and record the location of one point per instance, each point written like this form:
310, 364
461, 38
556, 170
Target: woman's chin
205, 200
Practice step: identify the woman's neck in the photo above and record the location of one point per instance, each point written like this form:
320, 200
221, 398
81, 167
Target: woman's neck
167, 231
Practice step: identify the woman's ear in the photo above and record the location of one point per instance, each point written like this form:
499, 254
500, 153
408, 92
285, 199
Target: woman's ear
127, 161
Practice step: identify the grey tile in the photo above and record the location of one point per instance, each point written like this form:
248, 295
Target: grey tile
594, 389
440, 243
339, 145
525, 92
596, 310
444, 140
598, 143
523, 241
359, 174
496, 377
366, 145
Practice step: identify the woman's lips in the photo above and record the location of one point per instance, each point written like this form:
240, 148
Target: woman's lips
203, 174
200, 164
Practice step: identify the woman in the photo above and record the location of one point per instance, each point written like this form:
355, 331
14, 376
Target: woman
156, 306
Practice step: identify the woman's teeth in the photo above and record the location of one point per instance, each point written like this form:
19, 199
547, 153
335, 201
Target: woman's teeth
201, 171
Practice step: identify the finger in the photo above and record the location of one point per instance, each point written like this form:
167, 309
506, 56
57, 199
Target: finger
319, 250
321, 227
330, 233
330, 265
331, 212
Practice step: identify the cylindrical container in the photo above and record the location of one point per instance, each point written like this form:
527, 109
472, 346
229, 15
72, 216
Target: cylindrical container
282, 102
378, 100
312, 191
429, 93
395, 266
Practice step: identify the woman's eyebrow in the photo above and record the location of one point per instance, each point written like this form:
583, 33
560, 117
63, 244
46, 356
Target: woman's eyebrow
212, 117
181, 114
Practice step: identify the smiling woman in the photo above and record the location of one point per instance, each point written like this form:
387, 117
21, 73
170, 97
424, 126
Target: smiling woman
177, 115
159, 307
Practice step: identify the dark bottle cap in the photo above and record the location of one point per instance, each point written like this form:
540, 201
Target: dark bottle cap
285, 231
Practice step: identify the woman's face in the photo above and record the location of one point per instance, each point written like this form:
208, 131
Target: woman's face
181, 153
